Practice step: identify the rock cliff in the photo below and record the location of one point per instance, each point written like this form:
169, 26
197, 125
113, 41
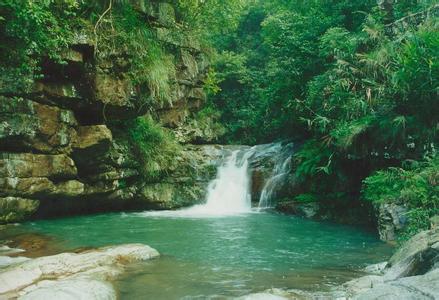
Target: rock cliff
61, 147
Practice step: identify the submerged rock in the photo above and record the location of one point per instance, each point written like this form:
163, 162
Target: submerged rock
71, 275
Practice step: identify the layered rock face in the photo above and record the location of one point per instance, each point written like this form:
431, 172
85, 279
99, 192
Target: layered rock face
60, 150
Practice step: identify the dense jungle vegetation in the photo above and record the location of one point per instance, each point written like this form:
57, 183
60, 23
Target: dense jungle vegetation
355, 83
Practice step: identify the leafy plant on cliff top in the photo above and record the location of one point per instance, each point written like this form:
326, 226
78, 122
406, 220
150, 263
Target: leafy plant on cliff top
124, 31
30, 31
416, 186
155, 147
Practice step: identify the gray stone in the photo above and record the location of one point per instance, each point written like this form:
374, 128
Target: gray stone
392, 218
55, 276
377, 269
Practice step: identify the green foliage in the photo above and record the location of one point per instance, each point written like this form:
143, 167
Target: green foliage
211, 82
416, 186
313, 158
363, 96
124, 31
156, 148
210, 17
306, 198
29, 31
266, 63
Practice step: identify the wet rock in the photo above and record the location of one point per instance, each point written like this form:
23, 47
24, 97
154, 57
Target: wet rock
172, 195
6, 250
412, 273
362, 284
68, 189
34, 245
279, 294
377, 269
15, 209
307, 210
40, 187
64, 92
77, 109
392, 218
416, 257
57, 275
187, 183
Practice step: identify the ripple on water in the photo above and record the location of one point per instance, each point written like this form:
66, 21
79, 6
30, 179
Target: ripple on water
222, 255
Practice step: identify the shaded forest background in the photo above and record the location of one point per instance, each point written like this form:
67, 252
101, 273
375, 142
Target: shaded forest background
354, 83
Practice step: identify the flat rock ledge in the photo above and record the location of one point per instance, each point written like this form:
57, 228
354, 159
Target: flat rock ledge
411, 273
86, 275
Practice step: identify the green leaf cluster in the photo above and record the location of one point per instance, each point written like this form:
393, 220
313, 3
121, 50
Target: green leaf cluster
156, 148
416, 186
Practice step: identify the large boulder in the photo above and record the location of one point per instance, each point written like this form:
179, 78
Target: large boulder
74, 275
414, 287
416, 257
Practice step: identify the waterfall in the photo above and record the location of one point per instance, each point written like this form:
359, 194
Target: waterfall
282, 167
229, 193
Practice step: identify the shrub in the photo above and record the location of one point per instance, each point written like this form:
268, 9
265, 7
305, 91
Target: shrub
416, 186
155, 147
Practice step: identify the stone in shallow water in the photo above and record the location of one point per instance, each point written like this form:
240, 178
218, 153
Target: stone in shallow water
64, 269
376, 269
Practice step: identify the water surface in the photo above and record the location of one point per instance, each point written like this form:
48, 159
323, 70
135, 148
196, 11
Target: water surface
221, 256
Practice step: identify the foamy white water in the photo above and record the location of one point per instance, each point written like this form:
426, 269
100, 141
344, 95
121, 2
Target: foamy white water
228, 194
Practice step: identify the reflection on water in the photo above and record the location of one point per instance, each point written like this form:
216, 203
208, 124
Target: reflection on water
222, 256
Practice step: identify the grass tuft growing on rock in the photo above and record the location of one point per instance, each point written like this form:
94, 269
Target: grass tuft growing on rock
156, 148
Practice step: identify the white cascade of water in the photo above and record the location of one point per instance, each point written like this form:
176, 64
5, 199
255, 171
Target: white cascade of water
281, 170
229, 193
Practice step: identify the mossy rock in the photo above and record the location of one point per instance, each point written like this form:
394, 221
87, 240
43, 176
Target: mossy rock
14, 209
